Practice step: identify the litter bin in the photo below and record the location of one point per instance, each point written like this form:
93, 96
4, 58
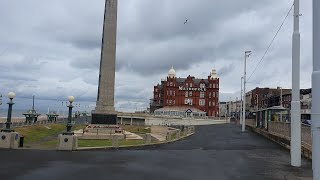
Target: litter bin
21, 141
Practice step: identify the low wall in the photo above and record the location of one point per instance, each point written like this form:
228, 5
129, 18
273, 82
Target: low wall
280, 132
279, 128
158, 129
172, 136
100, 137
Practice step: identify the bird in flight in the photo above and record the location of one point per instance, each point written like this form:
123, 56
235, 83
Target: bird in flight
186, 21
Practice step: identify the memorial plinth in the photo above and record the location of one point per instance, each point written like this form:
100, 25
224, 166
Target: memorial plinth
103, 118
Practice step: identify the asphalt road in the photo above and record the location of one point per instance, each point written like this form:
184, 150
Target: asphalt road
215, 152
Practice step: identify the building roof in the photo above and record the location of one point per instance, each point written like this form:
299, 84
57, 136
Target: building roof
180, 109
172, 73
180, 81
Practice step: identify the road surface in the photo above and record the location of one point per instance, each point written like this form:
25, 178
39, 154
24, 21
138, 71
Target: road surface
215, 152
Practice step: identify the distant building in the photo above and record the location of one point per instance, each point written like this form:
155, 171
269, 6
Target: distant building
223, 109
262, 98
202, 94
180, 111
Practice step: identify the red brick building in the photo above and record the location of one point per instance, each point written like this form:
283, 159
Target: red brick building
202, 94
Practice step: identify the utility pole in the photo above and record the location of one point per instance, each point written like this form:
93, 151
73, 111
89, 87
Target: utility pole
315, 109
281, 103
295, 102
246, 55
241, 110
33, 102
257, 101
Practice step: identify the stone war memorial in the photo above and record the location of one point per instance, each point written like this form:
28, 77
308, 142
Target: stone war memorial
104, 112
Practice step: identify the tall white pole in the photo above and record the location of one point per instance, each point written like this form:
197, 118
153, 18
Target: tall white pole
241, 110
246, 54
281, 104
295, 103
315, 109
257, 108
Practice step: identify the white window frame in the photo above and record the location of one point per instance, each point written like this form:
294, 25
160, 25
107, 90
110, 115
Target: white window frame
201, 94
202, 102
186, 93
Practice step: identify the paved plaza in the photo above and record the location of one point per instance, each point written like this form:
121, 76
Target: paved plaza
214, 152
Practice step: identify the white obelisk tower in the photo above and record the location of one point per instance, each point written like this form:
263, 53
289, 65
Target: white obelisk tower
105, 99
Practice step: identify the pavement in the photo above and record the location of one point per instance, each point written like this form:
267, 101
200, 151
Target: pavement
214, 152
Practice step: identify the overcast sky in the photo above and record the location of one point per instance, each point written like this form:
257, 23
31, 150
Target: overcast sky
52, 48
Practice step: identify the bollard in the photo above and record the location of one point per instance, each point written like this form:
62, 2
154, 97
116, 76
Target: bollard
115, 142
148, 138
178, 134
169, 136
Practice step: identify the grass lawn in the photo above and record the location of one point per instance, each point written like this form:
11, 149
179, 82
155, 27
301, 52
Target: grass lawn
94, 143
123, 142
137, 129
173, 136
36, 133
103, 143
50, 144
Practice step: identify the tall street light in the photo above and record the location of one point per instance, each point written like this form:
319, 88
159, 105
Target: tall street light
69, 124
11, 95
315, 110
241, 110
295, 102
246, 55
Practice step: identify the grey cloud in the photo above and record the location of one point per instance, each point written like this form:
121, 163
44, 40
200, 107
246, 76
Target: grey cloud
57, 43
225, 70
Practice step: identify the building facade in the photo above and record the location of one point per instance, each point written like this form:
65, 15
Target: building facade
223, 109
265, 97
202, 94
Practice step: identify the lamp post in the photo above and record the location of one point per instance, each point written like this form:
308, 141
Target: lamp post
281, 103
315, 111
246, 55
295, 147
241, 102
69, 124
11, 95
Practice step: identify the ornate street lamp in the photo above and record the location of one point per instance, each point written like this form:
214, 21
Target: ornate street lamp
69, 125
11, 95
